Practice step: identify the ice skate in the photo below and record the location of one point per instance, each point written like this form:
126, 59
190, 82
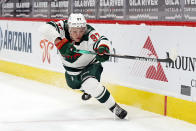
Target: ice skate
118, 111
86, 96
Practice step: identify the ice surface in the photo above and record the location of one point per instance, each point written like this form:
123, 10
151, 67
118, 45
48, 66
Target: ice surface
27, 105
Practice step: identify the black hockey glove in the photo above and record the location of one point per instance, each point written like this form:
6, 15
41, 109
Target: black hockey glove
101, 56
66, 48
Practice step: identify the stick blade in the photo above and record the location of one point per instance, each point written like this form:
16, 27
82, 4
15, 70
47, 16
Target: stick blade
173, 54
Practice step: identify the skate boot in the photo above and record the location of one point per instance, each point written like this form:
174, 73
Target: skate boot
86, 96
118, 111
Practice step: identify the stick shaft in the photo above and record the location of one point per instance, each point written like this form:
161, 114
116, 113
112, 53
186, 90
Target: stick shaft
140, 58
128, 56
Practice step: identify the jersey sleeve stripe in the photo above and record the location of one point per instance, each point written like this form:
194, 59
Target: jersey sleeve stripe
96, 44
54, 25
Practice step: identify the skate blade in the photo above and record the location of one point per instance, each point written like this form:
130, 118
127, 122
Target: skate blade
117, 118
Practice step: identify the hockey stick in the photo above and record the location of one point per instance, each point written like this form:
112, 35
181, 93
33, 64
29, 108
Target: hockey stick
167, 60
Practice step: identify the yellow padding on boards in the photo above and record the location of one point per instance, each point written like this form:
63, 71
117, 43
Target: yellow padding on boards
181, 109
142, 99
41, 75
145, 100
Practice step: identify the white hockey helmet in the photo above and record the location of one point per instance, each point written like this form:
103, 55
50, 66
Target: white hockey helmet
76, 20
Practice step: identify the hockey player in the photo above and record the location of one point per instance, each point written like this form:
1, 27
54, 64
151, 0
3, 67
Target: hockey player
83, 71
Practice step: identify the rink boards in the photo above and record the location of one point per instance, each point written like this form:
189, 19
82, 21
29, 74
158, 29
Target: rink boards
158, 87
